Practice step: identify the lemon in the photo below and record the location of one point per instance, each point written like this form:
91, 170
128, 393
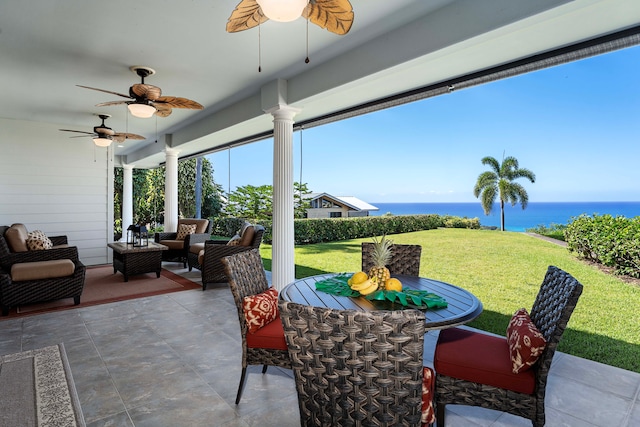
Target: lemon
393, 284
359, 277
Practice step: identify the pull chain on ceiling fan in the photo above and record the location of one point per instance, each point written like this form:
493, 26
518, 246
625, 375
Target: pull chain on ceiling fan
334, 15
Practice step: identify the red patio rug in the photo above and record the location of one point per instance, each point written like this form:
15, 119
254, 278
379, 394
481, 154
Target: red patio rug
103, 286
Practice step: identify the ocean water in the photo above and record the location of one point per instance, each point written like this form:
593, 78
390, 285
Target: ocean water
515, 218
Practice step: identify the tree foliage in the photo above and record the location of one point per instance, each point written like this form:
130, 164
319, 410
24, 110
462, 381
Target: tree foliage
148, 193
499, 183
256, 203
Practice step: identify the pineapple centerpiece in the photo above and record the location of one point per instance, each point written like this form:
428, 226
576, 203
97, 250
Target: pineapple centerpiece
379, 273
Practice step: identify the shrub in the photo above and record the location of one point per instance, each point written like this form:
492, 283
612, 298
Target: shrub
555, 231
611, 241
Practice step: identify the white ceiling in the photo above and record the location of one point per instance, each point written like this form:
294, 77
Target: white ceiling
48, 47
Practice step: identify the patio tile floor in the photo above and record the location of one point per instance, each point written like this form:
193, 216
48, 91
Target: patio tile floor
172, 360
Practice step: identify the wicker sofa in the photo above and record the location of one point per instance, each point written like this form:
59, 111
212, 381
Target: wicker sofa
30, 276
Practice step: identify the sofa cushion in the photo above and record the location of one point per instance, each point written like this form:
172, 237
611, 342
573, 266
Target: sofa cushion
247, 236
38, 241
479, 358
184, 230
196, 248
173, 244
270, 336
201, 224
201, 257
260, 309
38, 270
526, 342
16, 237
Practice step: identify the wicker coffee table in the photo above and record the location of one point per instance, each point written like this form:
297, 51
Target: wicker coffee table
130, 260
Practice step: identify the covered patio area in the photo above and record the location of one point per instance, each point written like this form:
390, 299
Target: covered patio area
172, 360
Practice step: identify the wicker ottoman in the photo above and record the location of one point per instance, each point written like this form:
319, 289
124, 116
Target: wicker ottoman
131, 260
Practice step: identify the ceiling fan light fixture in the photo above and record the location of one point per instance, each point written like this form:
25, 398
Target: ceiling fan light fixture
282, 10
102, 141
141, 110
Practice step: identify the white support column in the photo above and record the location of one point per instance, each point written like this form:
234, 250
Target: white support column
283, 262
171, 190
127, 199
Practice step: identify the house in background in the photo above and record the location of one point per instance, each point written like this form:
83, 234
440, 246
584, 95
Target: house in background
325, 205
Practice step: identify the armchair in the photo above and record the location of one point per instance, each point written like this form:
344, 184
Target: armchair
208, 259
477, 369
31, 276
179, 248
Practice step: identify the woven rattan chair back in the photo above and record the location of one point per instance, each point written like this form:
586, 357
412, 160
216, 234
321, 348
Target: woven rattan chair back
554, 304
247, 277
405, 259
354, 368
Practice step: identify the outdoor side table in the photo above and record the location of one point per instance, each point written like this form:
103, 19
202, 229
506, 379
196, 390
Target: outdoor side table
131, 260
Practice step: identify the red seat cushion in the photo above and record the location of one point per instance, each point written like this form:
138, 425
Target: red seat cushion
270, 336
479, 358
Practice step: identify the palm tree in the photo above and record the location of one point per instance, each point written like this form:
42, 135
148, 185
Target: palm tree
499, 182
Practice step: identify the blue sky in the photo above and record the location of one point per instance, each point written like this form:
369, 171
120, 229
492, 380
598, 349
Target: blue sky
576, 126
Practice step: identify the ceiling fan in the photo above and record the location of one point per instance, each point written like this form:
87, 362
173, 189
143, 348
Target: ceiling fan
334, 15
103, 135
146, 100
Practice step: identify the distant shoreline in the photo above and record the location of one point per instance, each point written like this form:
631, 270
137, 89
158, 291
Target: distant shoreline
516, 219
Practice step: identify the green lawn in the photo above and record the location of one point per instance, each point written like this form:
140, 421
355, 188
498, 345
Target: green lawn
505, 269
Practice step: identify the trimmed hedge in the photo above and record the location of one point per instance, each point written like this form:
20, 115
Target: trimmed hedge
608, 240
308, 231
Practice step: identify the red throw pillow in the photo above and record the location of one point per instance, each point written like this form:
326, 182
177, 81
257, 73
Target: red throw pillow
428, 385
260, 309
526, 342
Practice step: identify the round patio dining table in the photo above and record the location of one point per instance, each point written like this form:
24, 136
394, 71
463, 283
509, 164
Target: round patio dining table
462, 305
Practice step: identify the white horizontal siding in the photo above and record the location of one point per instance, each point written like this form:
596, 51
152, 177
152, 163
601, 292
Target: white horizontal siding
59, 185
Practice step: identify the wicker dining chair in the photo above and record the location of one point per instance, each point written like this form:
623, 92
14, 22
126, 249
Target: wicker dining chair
266, 346
405, 259
475, 369
356, 368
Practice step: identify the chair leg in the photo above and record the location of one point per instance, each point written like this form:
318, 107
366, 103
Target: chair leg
204, 286
76, 300
264, 368
440, 414
5, 310
241, 385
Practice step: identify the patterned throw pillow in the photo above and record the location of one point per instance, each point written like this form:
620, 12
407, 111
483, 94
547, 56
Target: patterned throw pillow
260, 309
235, 241
428, 386
38, 241
526, 342
184, 230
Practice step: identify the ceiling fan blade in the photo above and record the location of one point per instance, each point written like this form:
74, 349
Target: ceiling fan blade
121, 137
334, 15
247, 14
177, 102
77, 131
106, 104
162, 110
107, 91
149, 92
84, 136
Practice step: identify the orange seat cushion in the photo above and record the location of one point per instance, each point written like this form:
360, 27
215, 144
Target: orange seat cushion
270, 336
479, 358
